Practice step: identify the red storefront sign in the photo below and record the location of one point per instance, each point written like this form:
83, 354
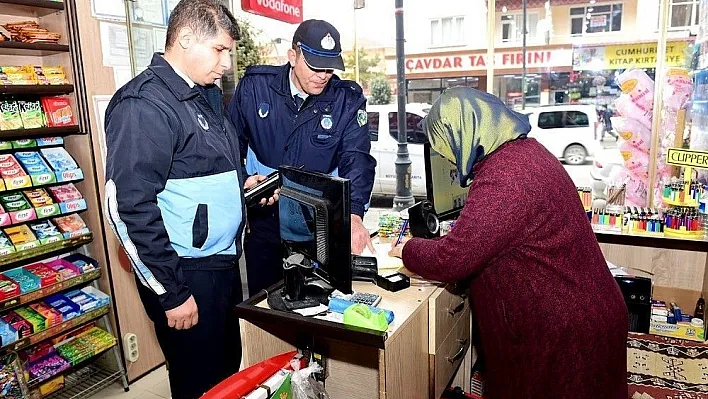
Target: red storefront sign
503, 60
289, 11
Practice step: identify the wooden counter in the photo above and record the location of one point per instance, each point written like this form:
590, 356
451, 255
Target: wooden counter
417, 357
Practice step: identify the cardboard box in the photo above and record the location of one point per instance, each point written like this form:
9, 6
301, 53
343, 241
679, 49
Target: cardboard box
681, 330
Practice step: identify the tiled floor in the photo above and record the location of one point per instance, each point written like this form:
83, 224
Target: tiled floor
152, 386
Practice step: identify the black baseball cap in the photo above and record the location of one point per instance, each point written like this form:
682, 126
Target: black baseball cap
320, 44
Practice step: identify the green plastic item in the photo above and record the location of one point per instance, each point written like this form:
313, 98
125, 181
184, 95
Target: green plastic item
360, 315
285, 391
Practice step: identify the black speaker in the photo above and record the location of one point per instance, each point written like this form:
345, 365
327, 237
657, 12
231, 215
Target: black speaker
637, 296
423, 220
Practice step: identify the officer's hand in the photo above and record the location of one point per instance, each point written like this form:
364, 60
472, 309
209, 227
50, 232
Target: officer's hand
255, 179
184, 316
360, 236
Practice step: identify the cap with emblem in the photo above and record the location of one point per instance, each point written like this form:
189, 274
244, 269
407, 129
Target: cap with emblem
320, 45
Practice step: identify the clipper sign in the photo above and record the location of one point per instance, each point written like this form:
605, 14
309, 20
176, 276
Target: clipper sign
289, 11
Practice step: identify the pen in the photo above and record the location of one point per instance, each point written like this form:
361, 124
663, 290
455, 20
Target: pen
402, 232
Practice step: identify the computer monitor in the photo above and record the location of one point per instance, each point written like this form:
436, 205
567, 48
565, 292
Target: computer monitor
443, 185
315, 222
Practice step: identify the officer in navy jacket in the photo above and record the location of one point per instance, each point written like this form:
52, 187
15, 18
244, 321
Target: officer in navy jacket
301, 114
174, 196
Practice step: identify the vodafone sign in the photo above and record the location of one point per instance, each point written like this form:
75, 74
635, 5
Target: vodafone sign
289, 11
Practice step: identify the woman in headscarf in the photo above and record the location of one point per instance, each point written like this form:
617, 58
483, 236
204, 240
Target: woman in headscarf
552, 321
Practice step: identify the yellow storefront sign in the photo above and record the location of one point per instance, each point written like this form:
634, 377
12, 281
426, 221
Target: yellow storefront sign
687, 158
643, 55
624, 56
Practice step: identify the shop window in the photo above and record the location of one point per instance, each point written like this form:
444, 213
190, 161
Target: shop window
415, 84
414, 130
447, 31
683, 14
513, 27
596, 18
373, 118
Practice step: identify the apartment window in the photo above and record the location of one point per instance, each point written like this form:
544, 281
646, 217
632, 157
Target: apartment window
513, 28
596, 19
683, 13
447, 31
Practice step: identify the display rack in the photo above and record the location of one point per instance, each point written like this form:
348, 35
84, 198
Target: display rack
86, 382
60, 16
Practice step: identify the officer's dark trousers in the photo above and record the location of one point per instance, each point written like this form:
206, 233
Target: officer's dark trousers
206, 354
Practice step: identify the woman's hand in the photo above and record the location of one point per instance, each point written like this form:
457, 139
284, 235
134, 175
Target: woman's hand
397, 250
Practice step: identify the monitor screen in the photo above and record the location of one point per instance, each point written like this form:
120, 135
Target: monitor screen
315, 220
443, 185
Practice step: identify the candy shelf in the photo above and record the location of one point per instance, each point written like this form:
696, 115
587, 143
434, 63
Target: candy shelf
31, 8
36, 90
42, 252
14, 302
40, 132
18, 48
65, 177
42, 213
35, 383
87, 381
57, 330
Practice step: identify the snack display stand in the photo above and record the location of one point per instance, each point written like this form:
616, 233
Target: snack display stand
50, 205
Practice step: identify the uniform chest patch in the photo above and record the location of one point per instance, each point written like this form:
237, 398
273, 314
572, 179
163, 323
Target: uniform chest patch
361, 117
326, 122
202, 122
263, 110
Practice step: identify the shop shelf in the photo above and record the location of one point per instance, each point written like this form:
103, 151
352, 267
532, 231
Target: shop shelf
57, 330
42, 252
41, 132
44, 292
35, 383
30, 8
65, 180
51, 211
652, 241
17, 48
36, 90
87, 381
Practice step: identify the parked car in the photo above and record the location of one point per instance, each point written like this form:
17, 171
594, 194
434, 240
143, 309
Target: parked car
567, 131
383, 132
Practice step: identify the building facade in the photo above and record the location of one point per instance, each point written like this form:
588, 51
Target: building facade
575, 48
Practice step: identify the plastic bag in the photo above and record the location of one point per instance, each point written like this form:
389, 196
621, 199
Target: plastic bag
304, 385
677, 88
628, 109
640, 88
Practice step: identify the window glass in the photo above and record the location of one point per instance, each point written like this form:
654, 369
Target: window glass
413, 128
373, 118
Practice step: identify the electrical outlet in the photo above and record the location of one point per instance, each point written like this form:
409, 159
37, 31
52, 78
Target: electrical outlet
130, 346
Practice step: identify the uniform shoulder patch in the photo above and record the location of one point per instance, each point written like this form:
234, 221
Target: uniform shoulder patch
262, 70
348, 84
361, 117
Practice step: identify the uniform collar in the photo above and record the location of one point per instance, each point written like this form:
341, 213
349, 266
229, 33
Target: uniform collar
182, 75
294, 91
177, 84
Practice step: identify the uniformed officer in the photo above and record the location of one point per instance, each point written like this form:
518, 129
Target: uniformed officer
301, 114
174, 196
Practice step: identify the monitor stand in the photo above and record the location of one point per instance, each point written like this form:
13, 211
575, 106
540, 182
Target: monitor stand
302, 289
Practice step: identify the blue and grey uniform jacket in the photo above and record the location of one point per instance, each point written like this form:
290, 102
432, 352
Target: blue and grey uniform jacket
174, 185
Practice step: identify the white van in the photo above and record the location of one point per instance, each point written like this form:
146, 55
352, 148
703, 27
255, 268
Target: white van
567, 131
383, 132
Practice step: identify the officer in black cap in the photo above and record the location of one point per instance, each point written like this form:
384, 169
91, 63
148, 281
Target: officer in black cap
301, 114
